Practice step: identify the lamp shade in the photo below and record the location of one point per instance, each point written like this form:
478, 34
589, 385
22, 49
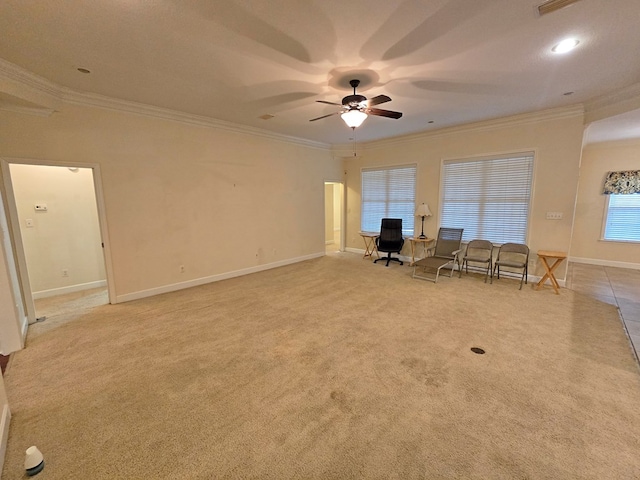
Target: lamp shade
354, 118
423, 210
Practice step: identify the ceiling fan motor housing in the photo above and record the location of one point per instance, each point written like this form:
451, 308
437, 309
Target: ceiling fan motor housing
353, 100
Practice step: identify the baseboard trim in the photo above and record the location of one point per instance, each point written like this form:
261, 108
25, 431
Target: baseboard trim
4, 431
213, 278
533, 279
605, 263
69, 289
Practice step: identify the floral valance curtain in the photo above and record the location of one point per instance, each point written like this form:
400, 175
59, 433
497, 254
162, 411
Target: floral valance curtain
622, 182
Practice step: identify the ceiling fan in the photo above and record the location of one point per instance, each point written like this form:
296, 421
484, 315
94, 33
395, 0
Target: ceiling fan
356, 108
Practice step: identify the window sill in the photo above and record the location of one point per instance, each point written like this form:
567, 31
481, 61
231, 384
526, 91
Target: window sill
618, 241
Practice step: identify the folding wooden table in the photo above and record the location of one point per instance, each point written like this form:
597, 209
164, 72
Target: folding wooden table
557, 258
370, 244
414, 241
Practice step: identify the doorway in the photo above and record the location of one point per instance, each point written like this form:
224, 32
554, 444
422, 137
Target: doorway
333, 217
57, 232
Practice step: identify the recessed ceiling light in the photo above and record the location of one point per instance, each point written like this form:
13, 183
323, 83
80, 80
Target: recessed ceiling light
565, 45
84, 70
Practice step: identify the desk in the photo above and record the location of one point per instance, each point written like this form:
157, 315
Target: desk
414, 241
557, 257
370, 244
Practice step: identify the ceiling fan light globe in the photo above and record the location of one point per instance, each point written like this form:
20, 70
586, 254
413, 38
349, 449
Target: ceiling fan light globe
354, 118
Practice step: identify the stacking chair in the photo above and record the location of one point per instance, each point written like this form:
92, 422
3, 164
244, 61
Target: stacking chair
443, 254
479, 251
513, 255
390, 239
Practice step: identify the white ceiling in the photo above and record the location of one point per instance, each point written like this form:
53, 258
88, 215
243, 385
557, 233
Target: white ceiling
446, 61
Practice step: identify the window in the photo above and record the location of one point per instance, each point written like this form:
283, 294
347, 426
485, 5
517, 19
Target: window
489, 198
388, 193
622, 222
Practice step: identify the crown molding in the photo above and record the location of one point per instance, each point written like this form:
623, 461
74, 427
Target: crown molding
614, 103
609, 144
67, 95
40, 112
100, 101
486, 125
22, 76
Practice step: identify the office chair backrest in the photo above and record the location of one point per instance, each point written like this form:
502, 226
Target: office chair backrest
390, 231
448, 241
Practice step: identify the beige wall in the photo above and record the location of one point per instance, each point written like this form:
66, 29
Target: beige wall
587, 246
555, 137
64, 237
212, 200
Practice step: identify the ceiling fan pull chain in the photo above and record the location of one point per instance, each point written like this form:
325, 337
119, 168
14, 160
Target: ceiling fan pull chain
354, 141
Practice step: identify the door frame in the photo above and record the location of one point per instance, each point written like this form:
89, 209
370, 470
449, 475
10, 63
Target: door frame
16, 236
342, 209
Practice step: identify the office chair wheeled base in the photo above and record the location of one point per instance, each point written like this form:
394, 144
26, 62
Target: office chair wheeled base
389, 258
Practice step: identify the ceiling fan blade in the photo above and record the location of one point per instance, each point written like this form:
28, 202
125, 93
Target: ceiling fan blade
383, 113
378, 100
324, 116
329, 103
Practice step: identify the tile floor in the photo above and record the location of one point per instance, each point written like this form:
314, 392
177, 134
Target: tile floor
71, 302
617, 286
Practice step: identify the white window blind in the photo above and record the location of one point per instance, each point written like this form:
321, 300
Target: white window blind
623, 218
489, 198
388, 193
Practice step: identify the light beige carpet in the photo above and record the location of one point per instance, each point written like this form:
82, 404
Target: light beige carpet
334, 368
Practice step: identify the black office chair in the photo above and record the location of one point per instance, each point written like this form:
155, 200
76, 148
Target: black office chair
390, 239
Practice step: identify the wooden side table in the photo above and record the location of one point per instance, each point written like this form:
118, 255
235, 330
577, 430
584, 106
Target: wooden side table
557, 258
370, 244
417, 240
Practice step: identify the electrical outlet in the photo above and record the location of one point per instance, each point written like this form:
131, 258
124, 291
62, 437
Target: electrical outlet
29, 222
65, 272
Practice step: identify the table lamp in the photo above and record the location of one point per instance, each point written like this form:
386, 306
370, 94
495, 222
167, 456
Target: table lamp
423, 211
